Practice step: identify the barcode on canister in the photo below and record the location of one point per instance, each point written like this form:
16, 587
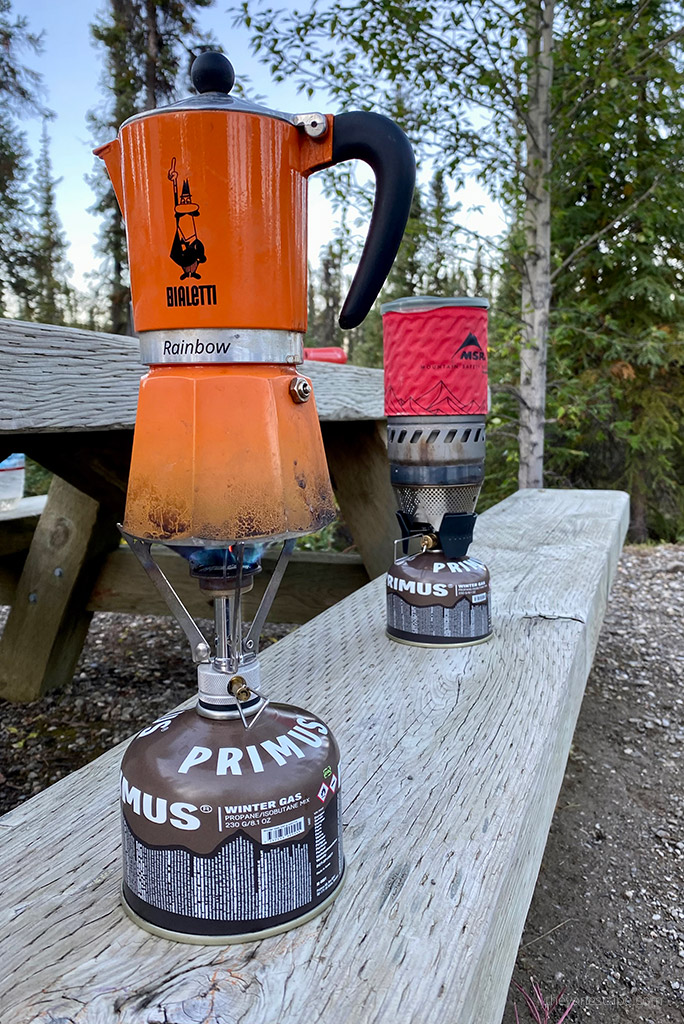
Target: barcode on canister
278, 832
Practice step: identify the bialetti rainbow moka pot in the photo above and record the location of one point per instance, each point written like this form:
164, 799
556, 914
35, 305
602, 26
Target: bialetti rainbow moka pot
231, 812
213, 191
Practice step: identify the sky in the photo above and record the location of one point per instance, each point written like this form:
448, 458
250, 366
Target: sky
71, 66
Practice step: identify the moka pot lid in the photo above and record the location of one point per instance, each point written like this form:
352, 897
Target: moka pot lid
213, 76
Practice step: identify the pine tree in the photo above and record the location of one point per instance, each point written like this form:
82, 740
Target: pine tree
428, 263
52, 301
118, 33
20, 94
145, 42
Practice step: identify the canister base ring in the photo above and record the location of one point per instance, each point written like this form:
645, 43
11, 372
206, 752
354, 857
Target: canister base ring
444, 646
226, 940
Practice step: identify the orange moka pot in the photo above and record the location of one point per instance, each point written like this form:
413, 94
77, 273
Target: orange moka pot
213, 192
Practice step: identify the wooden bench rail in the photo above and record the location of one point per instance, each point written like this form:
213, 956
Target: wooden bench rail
452, 762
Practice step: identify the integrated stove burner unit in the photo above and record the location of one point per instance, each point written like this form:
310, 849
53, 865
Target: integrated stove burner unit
231, 809
436, 402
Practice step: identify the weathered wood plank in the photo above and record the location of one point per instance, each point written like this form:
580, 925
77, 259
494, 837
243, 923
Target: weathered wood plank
48, 621
62, 378
453, 761
313, 582
357, 458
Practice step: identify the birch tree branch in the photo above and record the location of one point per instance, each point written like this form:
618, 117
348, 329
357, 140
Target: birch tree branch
604, 230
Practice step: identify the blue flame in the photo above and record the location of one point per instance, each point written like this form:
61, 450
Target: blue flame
221, 561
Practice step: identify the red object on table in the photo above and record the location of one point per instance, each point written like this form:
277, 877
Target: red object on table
326, 355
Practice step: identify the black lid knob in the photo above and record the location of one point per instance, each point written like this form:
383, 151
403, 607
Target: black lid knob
212, 72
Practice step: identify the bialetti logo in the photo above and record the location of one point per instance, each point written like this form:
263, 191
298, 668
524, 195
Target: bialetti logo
195, 348
187, 251
191, 295
470, 349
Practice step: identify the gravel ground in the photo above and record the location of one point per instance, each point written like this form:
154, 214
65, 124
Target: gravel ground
607, 919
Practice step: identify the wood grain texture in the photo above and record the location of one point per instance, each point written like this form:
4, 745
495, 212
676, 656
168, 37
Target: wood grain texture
48, 621
62, 378
360, 473
452, 764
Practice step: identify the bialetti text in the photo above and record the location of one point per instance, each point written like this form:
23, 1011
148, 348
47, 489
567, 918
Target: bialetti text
191, 295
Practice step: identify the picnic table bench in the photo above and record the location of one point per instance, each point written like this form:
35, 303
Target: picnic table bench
452, 762
69, 399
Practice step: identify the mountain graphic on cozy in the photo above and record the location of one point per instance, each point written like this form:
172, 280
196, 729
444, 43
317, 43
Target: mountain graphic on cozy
437, 400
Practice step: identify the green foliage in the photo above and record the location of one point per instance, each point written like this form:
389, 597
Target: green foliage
333, 537
37, 480
616, 368
428, 263
501, 471
615, 399
450, 63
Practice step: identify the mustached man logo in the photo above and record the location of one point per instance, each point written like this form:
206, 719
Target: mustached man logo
470, 349
187, 251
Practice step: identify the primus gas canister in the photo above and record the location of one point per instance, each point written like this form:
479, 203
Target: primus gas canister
230, 832
436, 402
231, 809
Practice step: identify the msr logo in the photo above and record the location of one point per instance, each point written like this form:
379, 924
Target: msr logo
470, 349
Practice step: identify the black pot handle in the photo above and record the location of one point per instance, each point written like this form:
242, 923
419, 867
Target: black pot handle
379, 142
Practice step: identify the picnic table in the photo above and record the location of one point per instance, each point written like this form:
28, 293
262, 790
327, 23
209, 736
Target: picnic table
452, 763
452, 759
69, 399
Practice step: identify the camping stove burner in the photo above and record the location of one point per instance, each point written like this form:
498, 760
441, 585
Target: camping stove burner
431, 504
